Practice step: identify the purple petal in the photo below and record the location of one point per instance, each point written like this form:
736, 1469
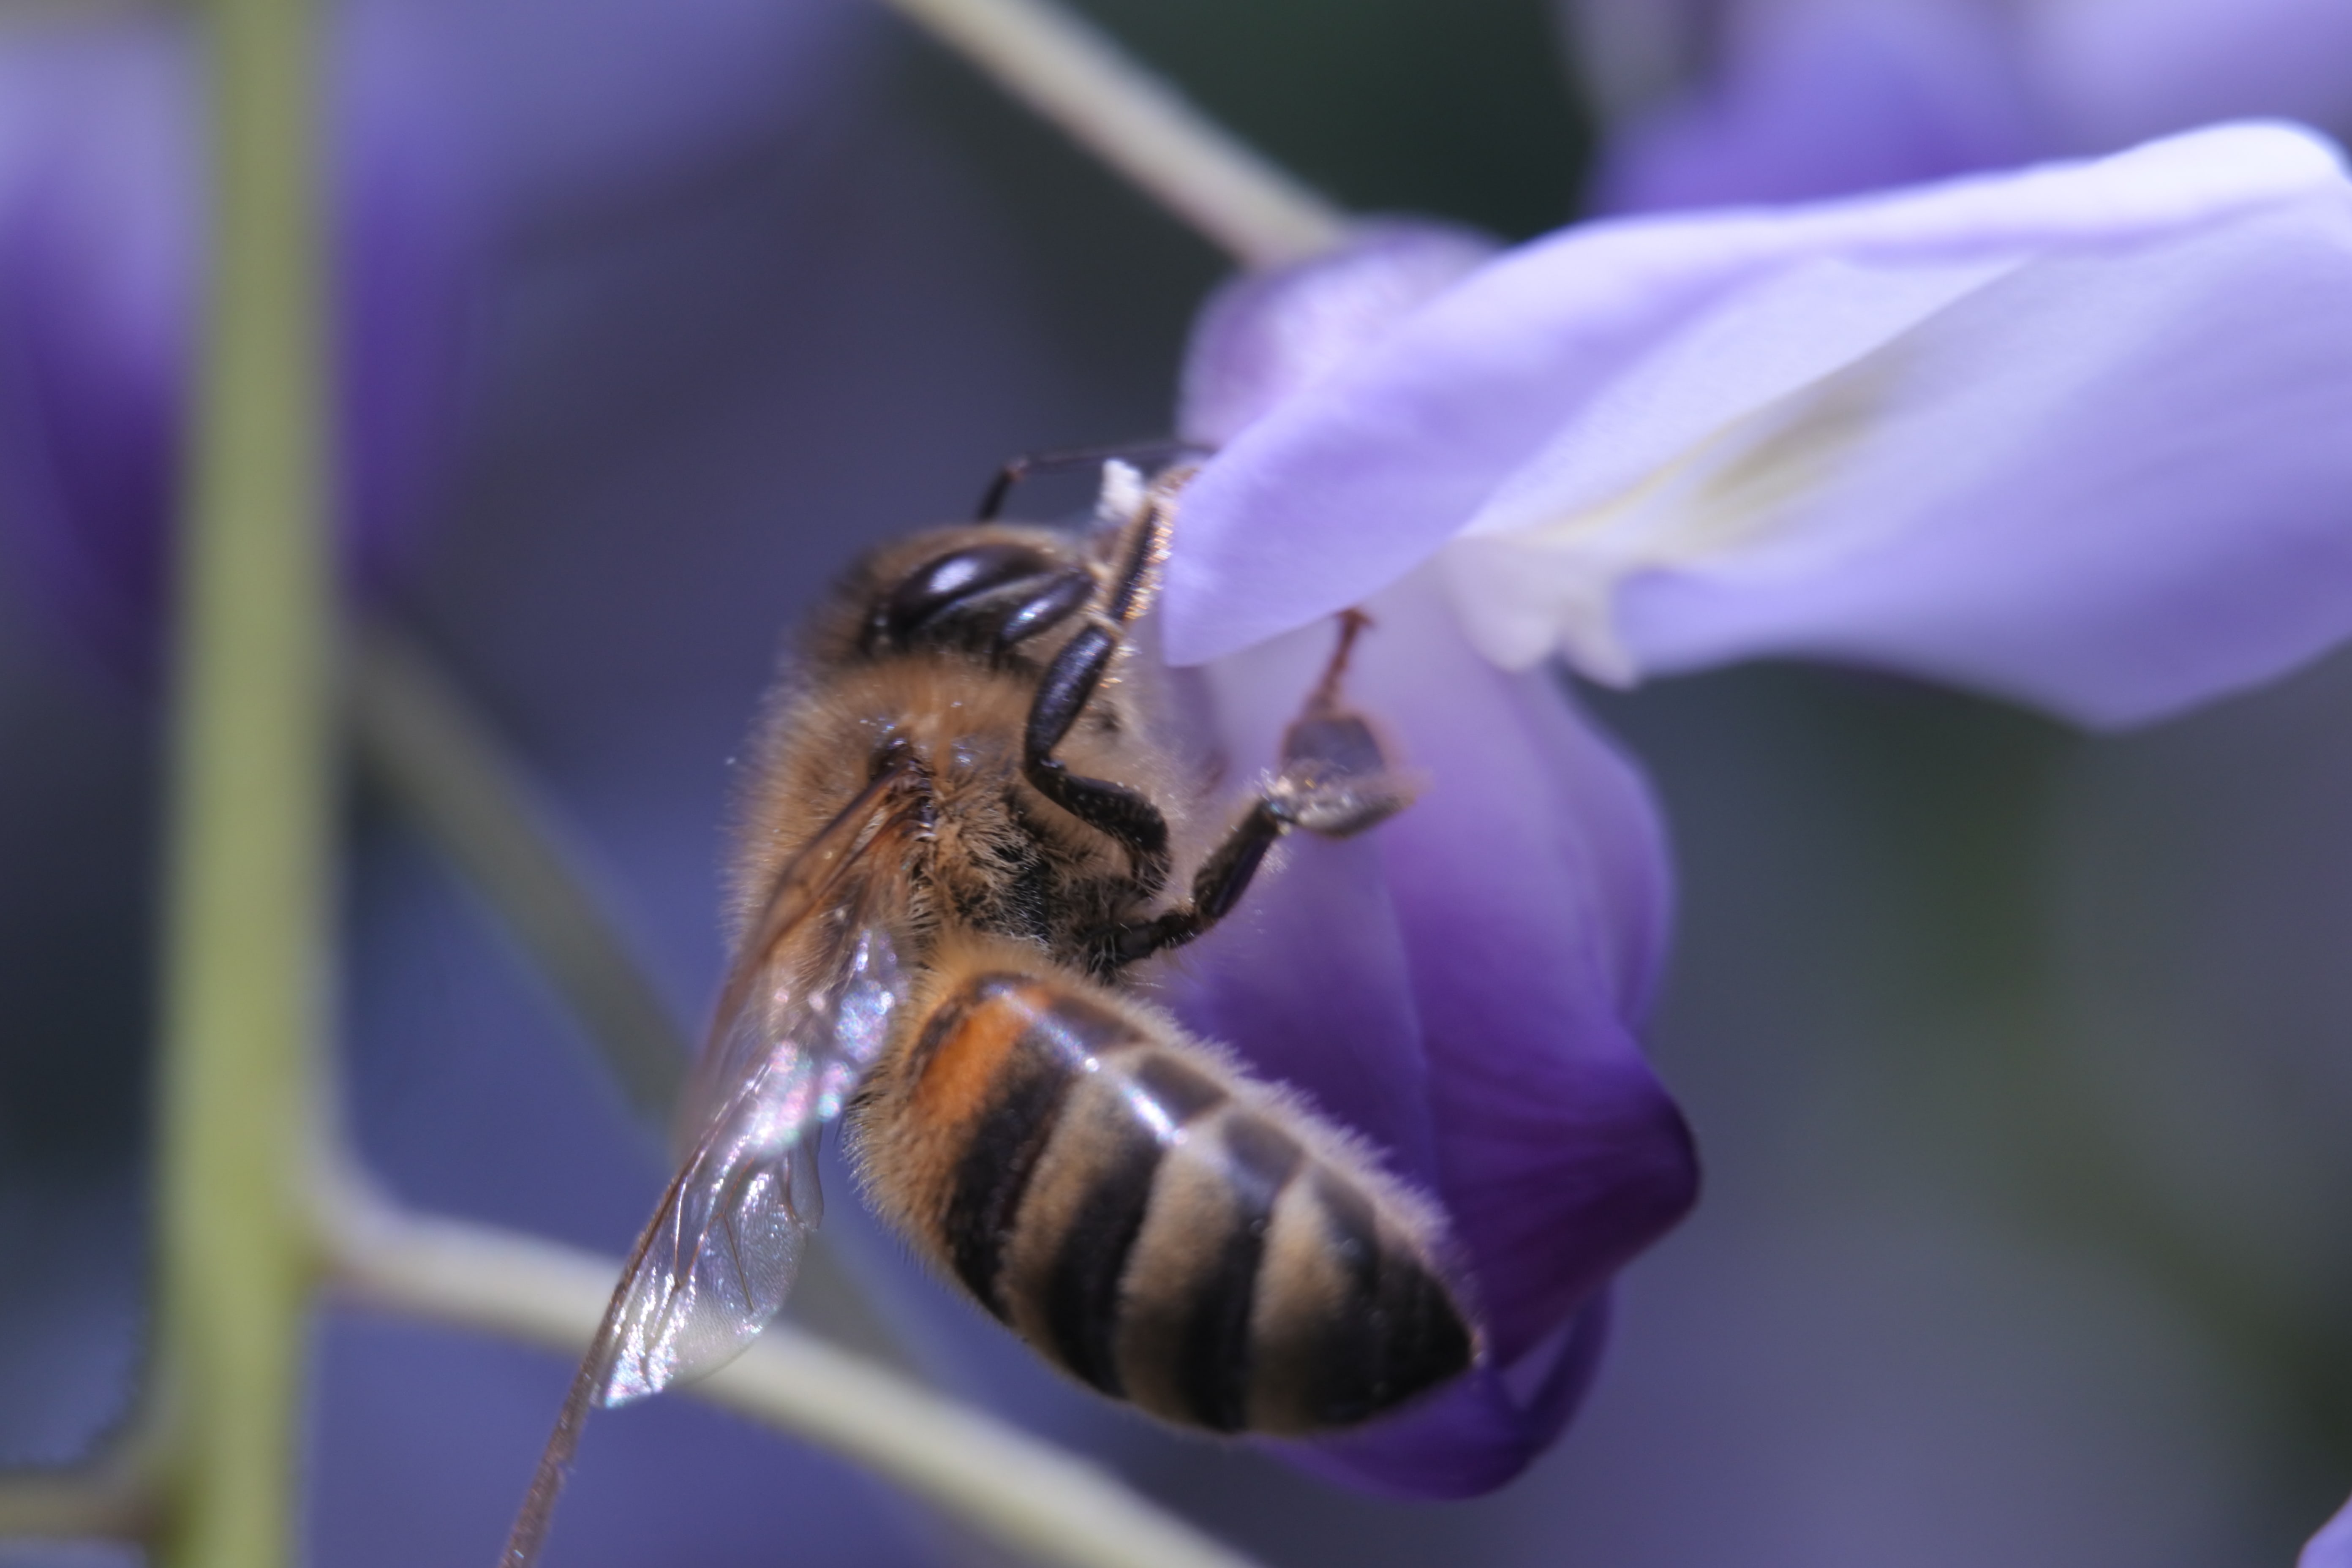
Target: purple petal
573, 104
2332, 1547
1477, 1435
1816, 98
1820, 100
101, 225
412, 232
96, 314
1285, 1000
2112, 73
2060, 434
1626, 54
1463, 986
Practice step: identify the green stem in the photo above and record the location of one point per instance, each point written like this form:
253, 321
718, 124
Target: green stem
249, 912
104, 1502
1046, 1505
1072, 75
454, 779
446, 769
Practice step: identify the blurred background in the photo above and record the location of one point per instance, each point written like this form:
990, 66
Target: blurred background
2019, 1060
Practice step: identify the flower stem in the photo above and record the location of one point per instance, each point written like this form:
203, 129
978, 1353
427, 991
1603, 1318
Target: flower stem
102, 1502
248, 912
1026, 1494
453, 779
1072, 75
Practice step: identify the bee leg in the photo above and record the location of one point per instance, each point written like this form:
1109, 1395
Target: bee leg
1217, 886
1145, 453
1336, 778
1336, 781
1070, 682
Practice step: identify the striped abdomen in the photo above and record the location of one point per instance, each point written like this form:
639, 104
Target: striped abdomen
1159, 1226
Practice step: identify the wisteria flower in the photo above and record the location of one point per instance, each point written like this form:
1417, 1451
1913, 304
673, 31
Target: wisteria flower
102, 219
2070, 437
2332, 1547
1788, 99
450, 129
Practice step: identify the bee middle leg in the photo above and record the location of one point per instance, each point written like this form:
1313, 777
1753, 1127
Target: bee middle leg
1336, 782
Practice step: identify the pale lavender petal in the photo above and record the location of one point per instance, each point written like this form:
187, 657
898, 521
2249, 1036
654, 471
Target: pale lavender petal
1266, 336
1548, 399
1463, 987
2332, 1547
2113, 487
1825, 98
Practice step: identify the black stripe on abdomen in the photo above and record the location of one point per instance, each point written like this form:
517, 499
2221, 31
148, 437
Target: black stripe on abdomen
1142, 1104
1081, 1298
1214, 1366
1030, 1089
998, 1161
1396, 1331
1139, 1108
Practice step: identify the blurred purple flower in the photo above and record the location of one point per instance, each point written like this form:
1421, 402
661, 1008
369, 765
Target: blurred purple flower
101, 213
1789, 100
2332, 1547
2071, 437
450, 129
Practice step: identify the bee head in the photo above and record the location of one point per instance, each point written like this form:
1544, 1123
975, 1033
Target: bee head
977, 590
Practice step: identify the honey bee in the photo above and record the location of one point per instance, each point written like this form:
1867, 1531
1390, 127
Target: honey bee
960, 839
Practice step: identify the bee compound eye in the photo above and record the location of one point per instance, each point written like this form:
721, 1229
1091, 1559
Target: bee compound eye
947, 583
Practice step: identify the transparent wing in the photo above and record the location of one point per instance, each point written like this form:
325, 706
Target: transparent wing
722, 1252
807, 1006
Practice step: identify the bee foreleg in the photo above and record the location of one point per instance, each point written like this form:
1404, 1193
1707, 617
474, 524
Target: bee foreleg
1115, 810
1070, 682
1143, 453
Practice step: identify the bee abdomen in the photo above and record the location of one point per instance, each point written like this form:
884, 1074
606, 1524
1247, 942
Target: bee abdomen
1164, 1229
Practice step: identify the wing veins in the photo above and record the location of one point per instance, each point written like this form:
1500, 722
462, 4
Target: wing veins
802, 890
528, 1534
802, 885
